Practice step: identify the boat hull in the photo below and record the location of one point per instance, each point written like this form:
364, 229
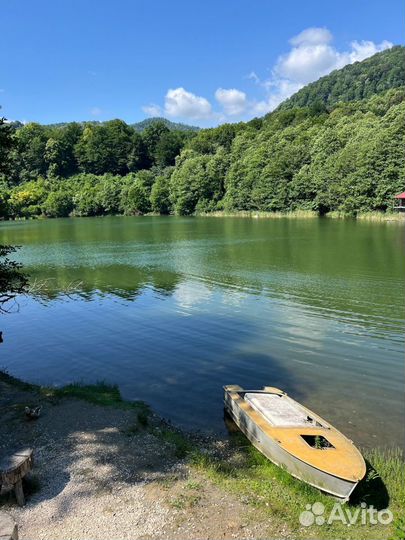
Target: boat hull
269, 447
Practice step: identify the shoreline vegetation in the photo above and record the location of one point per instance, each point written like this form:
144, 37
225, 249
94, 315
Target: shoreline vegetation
309, 214
269, 496
398, 217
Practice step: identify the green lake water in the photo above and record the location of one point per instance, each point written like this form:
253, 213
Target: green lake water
171, 309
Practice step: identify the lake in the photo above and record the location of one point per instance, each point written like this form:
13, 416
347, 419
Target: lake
171, 309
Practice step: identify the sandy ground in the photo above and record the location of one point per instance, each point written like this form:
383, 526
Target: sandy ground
95, 477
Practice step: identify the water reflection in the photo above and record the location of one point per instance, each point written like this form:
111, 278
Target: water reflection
122, 281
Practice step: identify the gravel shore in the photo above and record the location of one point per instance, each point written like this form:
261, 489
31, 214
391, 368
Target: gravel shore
98, 476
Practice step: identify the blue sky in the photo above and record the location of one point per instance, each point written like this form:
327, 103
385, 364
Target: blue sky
202, 63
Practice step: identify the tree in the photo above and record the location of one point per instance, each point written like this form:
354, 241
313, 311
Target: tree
151, 137
28, 155
198, 183
86, 198
59, 150
105, 148
167, 148
134, 199
27, 199
138, 155
6, 143
12, 281
109, 193
4, 202
160, 195
58, 204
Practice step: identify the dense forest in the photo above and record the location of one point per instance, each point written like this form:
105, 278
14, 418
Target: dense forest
360, 80
341, 151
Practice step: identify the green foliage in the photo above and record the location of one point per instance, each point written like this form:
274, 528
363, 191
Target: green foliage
138, 156
160, 195
109, 193
4, 201
167, 148
12, 280
6, 143
58, 204
86, 201
173, 126
348, 160
26, 200
63, 150
197, 183
135, 195
105, 148
354, 82
28, 155
399, 529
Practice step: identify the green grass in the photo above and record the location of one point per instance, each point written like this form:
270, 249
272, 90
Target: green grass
261, 214
184, 501
180, 443
303, 214
268, 487
369, 216
382, 216
100, 393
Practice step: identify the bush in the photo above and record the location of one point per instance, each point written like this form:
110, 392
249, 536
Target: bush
58, 204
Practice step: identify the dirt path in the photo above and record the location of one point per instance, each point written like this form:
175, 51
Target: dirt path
97, 475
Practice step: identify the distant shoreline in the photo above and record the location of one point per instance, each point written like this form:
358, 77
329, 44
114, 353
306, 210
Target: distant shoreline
398, 217
307, 214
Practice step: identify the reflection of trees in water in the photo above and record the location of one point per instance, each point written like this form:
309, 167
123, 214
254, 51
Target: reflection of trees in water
12, 280
126, 282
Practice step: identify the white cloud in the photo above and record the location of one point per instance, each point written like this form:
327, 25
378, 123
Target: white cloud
278, 91
232, 100
363, 49
183, 104
95, 111
312, 36
152, 110
312, 56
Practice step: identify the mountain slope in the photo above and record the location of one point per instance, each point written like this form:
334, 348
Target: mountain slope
173, 126
138, 126
354, 82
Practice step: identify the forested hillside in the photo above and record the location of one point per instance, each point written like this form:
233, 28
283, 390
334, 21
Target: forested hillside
350, 159
347, 157
356, 81
173, 126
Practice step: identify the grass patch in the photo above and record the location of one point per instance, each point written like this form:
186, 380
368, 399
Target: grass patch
368, 216
17, 383
304, 214
193, 485
100, 393
184, 501
261, 214
264, 485
382, 216
181, 444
